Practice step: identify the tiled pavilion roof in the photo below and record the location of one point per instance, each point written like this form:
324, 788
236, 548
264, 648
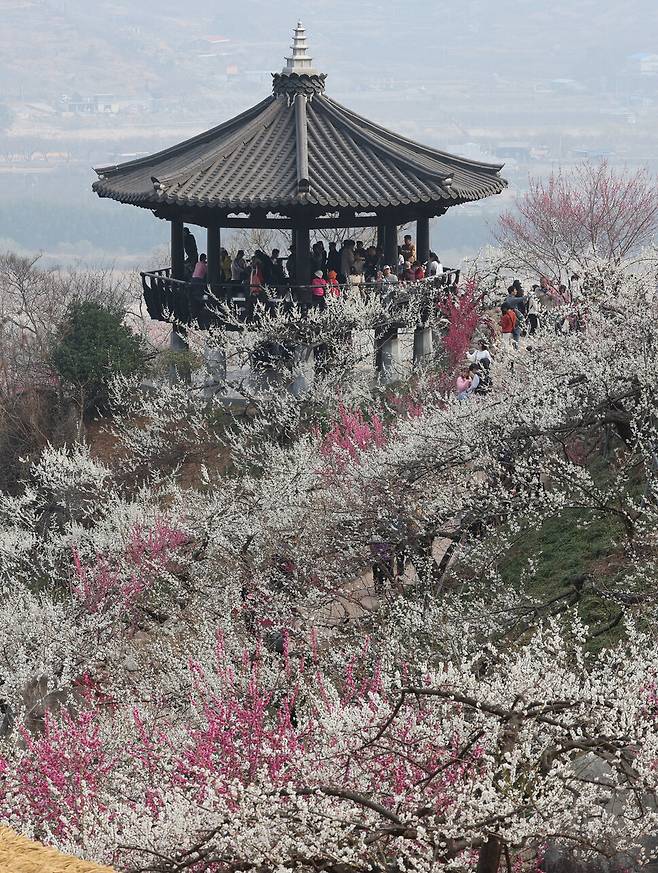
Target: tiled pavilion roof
299, 149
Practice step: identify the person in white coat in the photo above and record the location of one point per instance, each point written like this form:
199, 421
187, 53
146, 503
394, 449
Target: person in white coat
534, 311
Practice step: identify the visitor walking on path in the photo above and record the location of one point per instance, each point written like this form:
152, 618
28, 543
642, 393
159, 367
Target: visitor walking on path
534, 312
508, 323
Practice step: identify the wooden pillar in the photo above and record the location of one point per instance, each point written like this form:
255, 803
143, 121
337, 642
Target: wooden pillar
422, 240
177, 249
213, 246
391, 249
303, 263
381, 237
178, 342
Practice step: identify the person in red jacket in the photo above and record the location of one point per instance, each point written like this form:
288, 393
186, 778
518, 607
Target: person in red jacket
333, 288
507, 325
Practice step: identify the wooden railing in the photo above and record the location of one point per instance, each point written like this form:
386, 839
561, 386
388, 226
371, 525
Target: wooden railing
175, 300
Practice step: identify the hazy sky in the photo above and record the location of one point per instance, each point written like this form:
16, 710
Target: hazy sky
482, 37
567, 76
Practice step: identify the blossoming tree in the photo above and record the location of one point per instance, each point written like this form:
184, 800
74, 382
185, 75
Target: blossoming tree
178, 694
593, 215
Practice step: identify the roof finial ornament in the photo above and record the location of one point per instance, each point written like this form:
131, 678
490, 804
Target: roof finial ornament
299, 76
300, 62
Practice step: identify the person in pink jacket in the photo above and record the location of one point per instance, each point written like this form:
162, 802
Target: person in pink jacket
464, 383
318, 289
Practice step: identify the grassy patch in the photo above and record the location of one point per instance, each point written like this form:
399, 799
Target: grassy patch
565, 548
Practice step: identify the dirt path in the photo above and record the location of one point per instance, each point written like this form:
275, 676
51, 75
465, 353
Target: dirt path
20, 855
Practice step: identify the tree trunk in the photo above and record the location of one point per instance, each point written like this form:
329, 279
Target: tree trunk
489, 857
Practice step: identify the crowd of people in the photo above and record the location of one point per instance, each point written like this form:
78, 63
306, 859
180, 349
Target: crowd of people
351, 264
523, 313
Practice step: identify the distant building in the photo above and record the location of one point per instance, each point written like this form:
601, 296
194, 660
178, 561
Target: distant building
566, 86
522, 152
644, 63
517, 151
592, 154
96, 104
207, 46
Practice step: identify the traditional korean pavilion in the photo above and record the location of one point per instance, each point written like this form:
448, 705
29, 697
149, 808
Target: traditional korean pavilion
298, 161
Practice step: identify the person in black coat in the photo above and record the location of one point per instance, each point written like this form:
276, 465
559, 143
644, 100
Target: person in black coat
333, 259
190, 246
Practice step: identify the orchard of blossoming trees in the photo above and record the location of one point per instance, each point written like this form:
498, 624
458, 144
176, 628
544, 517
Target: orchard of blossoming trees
181, 691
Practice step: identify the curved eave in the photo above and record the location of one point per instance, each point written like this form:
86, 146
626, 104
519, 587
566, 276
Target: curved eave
353, 165
147, 201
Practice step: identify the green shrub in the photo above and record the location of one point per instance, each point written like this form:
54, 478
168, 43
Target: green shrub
91, 346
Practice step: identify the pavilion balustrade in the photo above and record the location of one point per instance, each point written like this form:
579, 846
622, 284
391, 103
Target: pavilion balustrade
185, 303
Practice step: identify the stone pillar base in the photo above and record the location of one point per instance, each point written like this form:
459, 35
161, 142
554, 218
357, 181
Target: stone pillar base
303, 364
388, 358
423, 347
179, 371
216, 366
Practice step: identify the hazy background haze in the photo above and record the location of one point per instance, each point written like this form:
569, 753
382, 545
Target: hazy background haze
531, 83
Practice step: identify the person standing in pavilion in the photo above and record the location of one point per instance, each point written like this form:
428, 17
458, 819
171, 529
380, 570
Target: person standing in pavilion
333, 259
371, 265
198, 290
266, 265
190, 247
238, 267
434, 266
346, 260
333, 288
291, 265
409, 249
225, 265
318, 258
200, 273
278, 273
359, 259
319, 291
256, 282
